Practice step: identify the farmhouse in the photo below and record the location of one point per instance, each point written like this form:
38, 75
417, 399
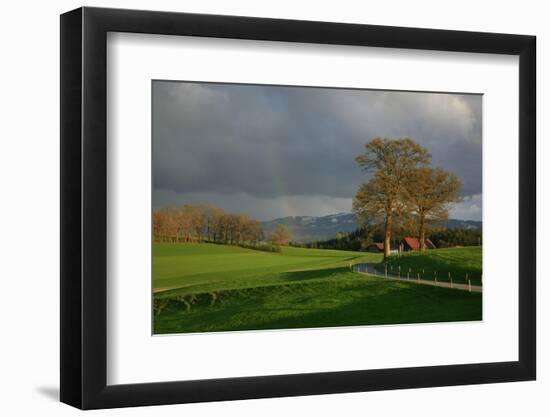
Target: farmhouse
412, 243
379, 248
376, 248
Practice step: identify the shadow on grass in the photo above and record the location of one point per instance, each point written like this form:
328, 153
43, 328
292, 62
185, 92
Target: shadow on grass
240, 285
327, 304
390, 308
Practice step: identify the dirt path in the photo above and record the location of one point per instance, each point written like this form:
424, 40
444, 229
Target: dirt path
369, 269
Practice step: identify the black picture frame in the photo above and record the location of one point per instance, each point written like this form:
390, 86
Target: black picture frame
84, 207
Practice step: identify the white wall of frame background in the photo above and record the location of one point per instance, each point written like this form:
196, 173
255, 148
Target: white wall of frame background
29, 232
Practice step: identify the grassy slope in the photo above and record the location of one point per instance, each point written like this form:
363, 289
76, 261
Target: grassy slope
343, 299
220, 288
457, 261
192, 268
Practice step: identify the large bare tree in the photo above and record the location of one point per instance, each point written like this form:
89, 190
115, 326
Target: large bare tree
430, 194
390, 161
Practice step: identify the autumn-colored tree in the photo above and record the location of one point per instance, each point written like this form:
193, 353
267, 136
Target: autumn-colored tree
229, 227
390, 161
184, 223
163, 223
252, 231
200, 222
211, 222
194, 216
159, 222
430, 193
281, 236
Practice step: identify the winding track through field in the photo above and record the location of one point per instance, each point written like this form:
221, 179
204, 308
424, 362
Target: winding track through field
369, 269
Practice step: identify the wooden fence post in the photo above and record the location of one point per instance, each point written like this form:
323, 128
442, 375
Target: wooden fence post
469, 286
451, 279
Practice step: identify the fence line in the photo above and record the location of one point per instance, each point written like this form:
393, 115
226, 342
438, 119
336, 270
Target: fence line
467, 285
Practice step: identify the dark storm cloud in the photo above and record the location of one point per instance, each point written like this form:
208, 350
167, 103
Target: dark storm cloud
269, 142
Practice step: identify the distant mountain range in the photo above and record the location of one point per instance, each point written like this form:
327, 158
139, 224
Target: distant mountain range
310, 229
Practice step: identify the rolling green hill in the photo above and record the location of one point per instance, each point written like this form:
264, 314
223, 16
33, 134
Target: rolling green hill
190, 268
208, 287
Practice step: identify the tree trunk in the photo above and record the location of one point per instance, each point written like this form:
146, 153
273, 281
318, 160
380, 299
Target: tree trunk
422, 235
387, 236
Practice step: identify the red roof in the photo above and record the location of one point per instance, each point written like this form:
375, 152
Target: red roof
380, 246
414, 243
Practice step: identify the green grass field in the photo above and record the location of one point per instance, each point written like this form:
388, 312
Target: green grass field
191, 268
207, 287
457, 261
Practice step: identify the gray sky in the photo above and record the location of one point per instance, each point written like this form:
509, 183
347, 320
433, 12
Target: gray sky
272, 151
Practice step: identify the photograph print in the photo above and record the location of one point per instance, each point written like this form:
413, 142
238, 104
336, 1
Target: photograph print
290, 207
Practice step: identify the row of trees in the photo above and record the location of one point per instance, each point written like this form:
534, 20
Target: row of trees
344, 241
404, 190
445, 238
201, 222
363, 237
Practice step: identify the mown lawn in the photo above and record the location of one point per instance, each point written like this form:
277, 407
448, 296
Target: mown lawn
457, 261
206, 287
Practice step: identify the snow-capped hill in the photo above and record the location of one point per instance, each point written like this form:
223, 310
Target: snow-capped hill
310, 228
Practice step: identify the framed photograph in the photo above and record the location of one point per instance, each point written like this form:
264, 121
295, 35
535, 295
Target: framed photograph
257, 208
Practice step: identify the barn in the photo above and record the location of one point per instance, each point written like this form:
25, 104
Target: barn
412, 243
